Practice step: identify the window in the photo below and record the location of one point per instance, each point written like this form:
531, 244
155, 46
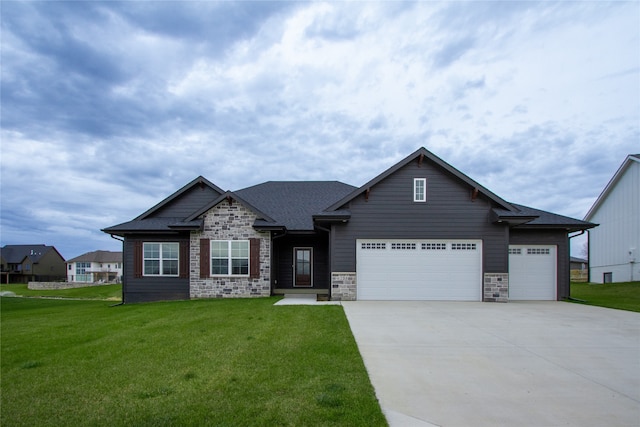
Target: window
160, 259
515, 251
374, 246
538, 251
403, 246
434, 246
230, 257
420, 189
463, 246
81, 271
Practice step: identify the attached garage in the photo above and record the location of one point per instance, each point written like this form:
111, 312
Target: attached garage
449, 270
532, 272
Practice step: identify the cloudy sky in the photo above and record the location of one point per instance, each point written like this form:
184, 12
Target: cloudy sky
108, 107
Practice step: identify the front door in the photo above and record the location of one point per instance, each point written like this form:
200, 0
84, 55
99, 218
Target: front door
302, 263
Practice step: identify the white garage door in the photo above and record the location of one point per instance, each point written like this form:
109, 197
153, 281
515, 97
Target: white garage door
419, 270
532, 272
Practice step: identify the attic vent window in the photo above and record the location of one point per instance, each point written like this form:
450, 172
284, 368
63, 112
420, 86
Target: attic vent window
420, 189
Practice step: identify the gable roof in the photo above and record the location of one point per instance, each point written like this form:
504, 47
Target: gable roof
200, 180
631, 159
98, 256
15, 254
421, 154
229, 196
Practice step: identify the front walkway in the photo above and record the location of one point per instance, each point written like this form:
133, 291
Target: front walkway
488, 364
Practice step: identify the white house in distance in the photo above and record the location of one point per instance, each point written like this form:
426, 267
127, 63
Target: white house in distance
96, 266
614, 246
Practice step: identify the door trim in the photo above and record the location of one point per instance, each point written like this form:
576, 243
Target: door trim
295, 260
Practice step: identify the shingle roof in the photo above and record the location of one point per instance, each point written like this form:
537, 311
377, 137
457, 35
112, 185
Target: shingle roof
293, 203
15, 254
544, 219
153, 225
98, 256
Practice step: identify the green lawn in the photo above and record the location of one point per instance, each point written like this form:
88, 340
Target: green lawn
235, 362
105, 292
623, 296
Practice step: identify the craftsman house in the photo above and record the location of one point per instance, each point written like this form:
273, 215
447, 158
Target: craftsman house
25, 263
421, 230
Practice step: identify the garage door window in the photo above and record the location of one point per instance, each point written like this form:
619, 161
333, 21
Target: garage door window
538, 251
403, 246
374, 246
463, 246
515, 251
434, 246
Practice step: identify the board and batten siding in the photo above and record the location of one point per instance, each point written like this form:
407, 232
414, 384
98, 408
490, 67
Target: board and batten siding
548, 237
389, 212
187, 203
138, 288
618, 232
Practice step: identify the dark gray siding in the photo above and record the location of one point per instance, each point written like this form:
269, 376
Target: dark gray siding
187, 203
549, 237
283, 259
146, 289
449, 213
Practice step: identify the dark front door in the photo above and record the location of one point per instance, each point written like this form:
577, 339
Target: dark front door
302, 267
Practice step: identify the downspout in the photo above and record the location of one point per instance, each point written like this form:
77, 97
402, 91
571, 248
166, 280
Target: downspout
123, 269
589, 271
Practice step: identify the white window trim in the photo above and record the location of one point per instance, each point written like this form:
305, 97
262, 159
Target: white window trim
160, 274
229, 259
416, 195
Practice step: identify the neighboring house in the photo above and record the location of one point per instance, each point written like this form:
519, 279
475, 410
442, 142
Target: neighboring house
420, 230
96, 266
579, 269
25, 263
614, 247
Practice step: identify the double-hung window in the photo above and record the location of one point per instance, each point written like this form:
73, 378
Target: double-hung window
230, 257
420, 189
161, 259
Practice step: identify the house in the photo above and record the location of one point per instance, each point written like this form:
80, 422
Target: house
614, 247
420, 230
96, 266
579, 269
24, 263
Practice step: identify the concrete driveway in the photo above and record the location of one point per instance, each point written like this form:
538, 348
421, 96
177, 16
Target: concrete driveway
491, 364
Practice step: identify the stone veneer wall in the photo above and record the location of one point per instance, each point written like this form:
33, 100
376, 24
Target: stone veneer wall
496, 287
229, 222
343, 286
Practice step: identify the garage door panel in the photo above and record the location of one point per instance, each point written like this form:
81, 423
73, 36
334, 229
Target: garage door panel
419, 270
532, 272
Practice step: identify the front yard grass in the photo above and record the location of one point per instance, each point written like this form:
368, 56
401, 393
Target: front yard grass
622, 296
240, 362
105, 292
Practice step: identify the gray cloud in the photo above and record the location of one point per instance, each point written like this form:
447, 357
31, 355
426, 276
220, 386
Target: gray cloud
108, 107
